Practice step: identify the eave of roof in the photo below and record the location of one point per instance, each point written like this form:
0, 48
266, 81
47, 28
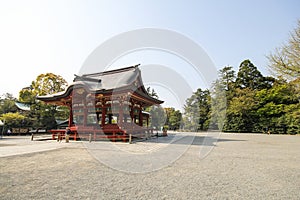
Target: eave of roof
105, 83
22, 106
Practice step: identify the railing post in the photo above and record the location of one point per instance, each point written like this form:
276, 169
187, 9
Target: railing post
67, 138
90, 138
130, 138
124, 136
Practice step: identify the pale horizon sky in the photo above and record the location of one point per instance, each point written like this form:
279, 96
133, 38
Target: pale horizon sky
57, 36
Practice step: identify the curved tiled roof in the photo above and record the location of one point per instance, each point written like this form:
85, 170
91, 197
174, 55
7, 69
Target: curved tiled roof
106, 82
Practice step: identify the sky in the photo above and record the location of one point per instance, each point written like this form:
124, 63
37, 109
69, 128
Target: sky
58, 36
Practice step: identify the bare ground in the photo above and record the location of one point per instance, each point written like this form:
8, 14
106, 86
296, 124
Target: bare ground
240, 166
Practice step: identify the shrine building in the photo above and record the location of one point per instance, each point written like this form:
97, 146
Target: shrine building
106, 105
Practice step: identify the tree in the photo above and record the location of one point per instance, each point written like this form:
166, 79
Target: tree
7, 104
249, 77
292, 118
44, 84
152, 92
222, 92
278, 105
158, 116
227, 77
241, 113
285, 61
196, 111
174, 118
296, 85
13, 119
43, 115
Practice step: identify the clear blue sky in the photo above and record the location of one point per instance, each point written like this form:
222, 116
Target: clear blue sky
57, 36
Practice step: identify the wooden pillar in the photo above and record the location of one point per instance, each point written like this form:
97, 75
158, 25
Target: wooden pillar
85, 113
103, 115
147, 121
70, 116
140, 117
121, 114
131, 112
110, 118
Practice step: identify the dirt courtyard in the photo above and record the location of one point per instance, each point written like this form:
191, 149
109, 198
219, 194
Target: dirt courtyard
239, 166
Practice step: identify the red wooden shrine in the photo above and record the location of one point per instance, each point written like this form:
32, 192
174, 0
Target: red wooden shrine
107, 105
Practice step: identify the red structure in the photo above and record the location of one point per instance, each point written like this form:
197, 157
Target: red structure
106, 105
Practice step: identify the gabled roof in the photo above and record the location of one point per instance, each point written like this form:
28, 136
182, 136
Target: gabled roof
105, 82
110, 79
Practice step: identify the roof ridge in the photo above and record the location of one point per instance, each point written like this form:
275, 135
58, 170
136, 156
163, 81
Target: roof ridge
113, 71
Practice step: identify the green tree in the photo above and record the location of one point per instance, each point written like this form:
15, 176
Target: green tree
222, 92
242, 104
43, 115
158, 116
292, 118
296, 85
241, 111
7, 104
227, 78
44, 84
197, 110
174, 118
285, 61
249, 76
13, 119
278, 104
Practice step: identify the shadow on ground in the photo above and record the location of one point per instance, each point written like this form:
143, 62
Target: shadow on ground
192, 140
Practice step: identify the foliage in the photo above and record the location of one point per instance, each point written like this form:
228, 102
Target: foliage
248, 76
43, 115
277, 104
241, 115
221, 93
158, 116
7, 104
48, 83
249, 102
152, 92
227, 78
13, 119
174, 118
168, 118
285, 61
292, 118
197, 110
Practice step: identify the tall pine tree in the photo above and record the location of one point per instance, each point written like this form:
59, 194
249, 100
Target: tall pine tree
249, 76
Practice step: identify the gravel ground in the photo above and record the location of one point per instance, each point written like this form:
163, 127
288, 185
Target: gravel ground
240, 166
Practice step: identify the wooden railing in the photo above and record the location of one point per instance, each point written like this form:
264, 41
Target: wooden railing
109, 132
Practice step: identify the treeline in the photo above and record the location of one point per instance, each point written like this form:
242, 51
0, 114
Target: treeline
245, 101
242, 101
40, 115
